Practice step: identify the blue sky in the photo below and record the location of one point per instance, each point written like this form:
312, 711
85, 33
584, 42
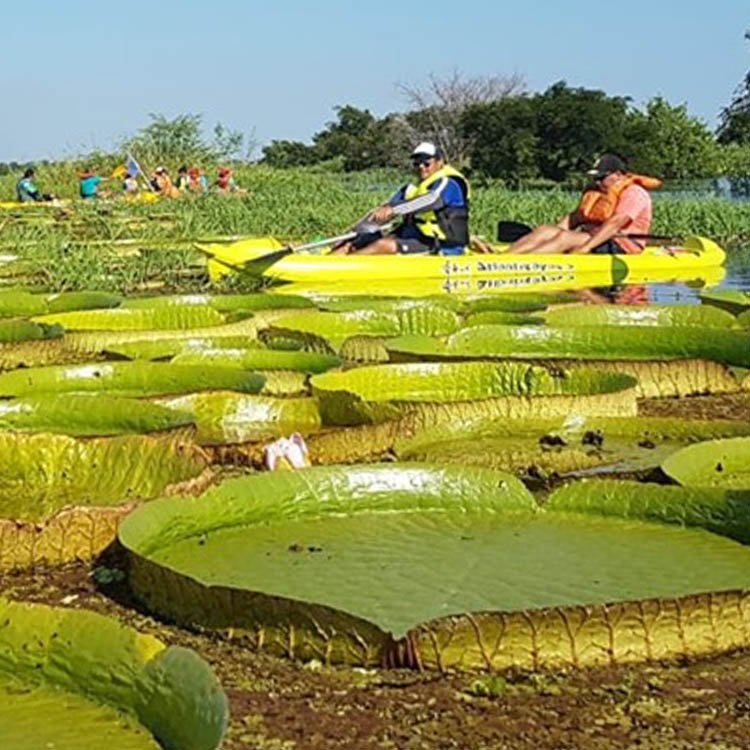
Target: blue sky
79, 74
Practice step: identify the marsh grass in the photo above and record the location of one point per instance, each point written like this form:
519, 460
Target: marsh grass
120, 246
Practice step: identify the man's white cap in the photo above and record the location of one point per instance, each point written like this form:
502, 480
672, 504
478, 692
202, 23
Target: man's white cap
426, 149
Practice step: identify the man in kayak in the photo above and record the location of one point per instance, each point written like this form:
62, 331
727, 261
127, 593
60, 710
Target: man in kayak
435, 212
27, 190
617, 205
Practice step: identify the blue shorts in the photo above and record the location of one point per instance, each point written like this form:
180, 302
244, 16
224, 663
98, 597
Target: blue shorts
610, 247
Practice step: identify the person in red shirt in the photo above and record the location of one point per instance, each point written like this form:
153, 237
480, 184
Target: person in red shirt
617, 205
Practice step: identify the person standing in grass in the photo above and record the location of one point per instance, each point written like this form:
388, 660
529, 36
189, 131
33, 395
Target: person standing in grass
163, 184
226, 183
197, 181
618, 204
88, 184
27, 190
435, 212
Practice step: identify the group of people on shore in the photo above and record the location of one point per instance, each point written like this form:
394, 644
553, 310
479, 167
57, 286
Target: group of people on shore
613, 216
190, 181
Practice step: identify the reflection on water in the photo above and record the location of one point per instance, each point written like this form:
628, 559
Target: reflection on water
660, 286
736, 277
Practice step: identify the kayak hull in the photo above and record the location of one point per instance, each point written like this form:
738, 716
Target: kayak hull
696, 253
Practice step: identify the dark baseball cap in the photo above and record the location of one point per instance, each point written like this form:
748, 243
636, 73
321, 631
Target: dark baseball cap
606, 164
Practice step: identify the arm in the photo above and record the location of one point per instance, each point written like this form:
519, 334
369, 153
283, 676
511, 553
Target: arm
605, 232
397, 206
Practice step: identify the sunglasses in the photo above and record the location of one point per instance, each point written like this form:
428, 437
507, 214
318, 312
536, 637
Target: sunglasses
422, 162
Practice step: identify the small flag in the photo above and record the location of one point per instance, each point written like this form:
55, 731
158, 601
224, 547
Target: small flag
132, 167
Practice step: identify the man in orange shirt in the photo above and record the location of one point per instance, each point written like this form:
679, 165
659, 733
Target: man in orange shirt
619, 204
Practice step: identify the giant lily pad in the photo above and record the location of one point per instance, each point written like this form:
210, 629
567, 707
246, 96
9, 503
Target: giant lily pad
61, 497
334, 328
222, 302
17, 303
715, 463
585, 342
69, 301
676, 316
127, 319
223, 417
74, 680
101, 341
88, 415
259, 359
127, 379
380, 393
447, 568
725, 512
12, 331
570, 445
732, 300
167, 348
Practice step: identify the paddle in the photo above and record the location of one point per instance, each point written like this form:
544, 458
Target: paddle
258, 266
510, 231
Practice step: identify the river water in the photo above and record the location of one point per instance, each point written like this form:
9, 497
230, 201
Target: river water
736, 277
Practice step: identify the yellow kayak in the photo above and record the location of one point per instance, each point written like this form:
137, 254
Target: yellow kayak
532, 283
695, 253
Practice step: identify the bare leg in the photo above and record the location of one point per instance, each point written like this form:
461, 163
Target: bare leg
383, 246
343, 249
529, 243
564, 242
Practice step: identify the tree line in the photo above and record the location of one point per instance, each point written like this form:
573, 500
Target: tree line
522, 137
491, 126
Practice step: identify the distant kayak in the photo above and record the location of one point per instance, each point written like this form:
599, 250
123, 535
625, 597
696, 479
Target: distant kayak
695, 253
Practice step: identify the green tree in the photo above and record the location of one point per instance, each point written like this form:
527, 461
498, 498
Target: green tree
503, 138
437, 108
576, 124
670, 143
287, 154
181, 141
734, 120
349, 137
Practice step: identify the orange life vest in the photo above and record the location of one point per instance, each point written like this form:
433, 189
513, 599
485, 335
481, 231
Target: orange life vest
597, 205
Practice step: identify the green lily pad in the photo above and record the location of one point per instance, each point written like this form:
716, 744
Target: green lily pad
714, 463
726, 512
69, 301
88, 415
136, 379
564, 446
731, 300
167, 348
447, 568
383, 392
126, 319
333, 328
102, 341
12, 331
75, 680
21, 304
223, 418
676, 316
584, 342
259, 359
44, 473
222, 302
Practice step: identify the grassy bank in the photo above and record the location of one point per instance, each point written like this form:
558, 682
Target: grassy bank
68, 248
